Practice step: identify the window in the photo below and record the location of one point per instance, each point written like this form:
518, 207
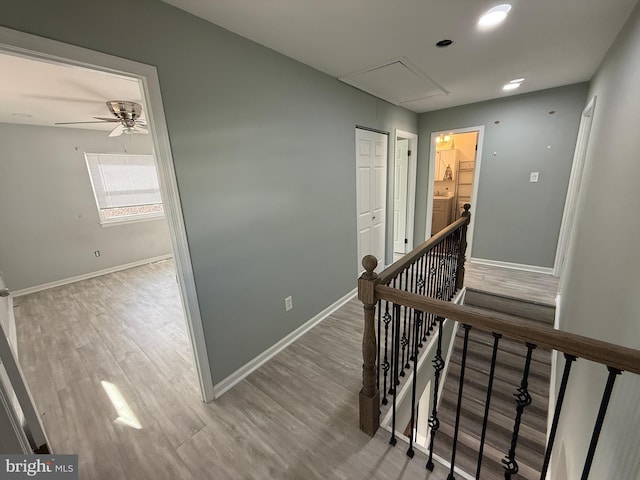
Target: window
125, 186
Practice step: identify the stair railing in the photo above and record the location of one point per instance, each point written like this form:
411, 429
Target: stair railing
434, 269
413, 299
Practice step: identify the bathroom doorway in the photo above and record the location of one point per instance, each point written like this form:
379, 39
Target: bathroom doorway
455, 165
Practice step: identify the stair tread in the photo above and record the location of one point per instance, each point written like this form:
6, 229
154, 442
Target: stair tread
507, 378
467, 456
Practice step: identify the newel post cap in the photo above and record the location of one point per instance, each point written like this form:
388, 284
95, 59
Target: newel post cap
369, 262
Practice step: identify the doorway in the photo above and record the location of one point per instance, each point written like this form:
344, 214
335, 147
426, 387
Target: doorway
371, 194
454, 170
40, 49
404, 192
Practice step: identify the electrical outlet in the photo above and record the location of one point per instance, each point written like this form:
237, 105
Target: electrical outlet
288, 304
534, 177
97, 253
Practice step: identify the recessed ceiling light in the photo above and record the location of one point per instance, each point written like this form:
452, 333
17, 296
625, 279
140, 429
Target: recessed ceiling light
494, 16
517, 80
444, 43
511, 86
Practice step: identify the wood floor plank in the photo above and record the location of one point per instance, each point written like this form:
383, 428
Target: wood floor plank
294, 418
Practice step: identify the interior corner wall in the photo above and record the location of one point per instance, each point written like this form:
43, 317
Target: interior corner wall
264, 154
601, 282
515, 221
49, 219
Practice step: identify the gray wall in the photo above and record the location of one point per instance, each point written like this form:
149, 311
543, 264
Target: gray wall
515, 221
264, 152
49, 219
601, 281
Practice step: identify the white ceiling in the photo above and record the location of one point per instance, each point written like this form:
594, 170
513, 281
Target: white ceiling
549, 42
52, 92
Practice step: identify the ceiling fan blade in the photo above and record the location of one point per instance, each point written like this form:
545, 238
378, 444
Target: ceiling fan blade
139, 129
116, 132
76, 123
105, 119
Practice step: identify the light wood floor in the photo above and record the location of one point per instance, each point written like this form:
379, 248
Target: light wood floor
294, 418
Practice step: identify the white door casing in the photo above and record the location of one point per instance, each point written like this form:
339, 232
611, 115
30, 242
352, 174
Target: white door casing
24, 44
400, 195
573, 189
371, 198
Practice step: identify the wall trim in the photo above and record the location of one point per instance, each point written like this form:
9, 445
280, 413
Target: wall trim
86, 276
240, 374
514, 266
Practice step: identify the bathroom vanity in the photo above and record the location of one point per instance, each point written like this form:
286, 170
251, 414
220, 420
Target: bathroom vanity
442, 210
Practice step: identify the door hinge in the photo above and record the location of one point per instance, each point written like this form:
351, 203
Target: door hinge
476, 147
406, 240
409, 153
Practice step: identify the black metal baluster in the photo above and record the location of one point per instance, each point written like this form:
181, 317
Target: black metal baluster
411, 331
409, 311
430, 281
613, 373
403, 340
422, 284
395, 348
434, 423
417, 321
441, 270
459, 405
394, 369
568, 361
386, 318
523, 399
487, 402
458, 241
445, 267
453, 264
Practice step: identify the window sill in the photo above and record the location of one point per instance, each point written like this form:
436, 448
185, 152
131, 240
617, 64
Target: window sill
128, 220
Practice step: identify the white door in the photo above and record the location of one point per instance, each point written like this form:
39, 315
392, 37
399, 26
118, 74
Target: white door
400, 196
371, 182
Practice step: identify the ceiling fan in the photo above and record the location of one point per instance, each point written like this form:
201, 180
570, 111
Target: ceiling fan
126, 113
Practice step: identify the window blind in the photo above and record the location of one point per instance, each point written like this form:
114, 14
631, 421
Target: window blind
123, 180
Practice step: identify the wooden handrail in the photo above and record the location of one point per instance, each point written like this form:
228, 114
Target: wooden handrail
609, 354
394, 269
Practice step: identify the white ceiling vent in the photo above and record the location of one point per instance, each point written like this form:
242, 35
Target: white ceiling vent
396, 81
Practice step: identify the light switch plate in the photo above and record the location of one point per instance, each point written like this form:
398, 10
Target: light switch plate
534, 177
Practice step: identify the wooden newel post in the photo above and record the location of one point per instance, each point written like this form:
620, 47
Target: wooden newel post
463, 248
369, 395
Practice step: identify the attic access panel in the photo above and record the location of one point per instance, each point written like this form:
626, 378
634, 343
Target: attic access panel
397, 82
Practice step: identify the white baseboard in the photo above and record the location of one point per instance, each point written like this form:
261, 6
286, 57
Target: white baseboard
85, 276
513, 266
221, 387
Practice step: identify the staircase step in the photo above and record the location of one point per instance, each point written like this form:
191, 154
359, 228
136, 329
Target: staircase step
507, 345
508, 367
508, 375
538, 312
475, 390
531, 442
467, 456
